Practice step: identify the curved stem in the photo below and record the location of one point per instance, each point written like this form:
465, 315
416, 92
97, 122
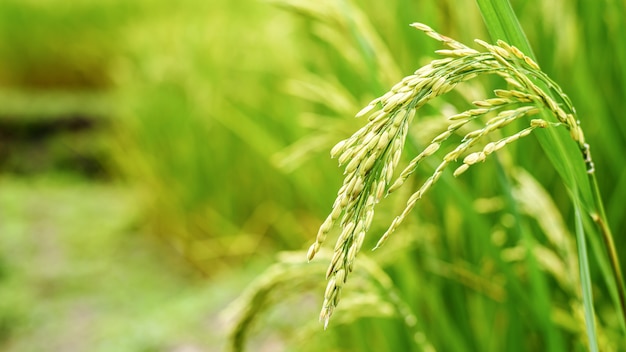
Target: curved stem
600, 219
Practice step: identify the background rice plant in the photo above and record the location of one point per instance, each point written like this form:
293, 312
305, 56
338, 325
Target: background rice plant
220, 116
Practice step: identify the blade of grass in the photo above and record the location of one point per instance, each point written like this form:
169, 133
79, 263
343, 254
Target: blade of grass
585, 279
503, 24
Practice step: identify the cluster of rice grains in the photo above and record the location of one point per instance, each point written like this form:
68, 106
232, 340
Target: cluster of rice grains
372, 154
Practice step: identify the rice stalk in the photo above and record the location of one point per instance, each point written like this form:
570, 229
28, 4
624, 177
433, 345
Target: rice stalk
371, 155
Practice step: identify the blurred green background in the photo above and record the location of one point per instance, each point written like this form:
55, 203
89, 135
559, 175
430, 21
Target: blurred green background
155, 156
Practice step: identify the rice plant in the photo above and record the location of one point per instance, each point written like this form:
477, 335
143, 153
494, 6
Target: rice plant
371, 155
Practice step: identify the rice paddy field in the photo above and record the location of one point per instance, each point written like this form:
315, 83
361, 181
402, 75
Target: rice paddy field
166, 180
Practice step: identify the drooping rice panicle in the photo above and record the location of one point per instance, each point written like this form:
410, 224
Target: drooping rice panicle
371, 155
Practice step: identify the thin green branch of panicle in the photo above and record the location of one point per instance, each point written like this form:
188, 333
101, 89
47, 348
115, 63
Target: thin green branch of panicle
372, 154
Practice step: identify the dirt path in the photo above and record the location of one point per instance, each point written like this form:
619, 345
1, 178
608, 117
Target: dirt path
76, 276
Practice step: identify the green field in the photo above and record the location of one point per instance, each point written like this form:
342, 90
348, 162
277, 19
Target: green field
164, 167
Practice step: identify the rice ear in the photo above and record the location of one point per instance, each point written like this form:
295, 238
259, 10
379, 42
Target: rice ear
372, 154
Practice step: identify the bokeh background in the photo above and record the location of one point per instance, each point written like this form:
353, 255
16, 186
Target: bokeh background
156, 156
